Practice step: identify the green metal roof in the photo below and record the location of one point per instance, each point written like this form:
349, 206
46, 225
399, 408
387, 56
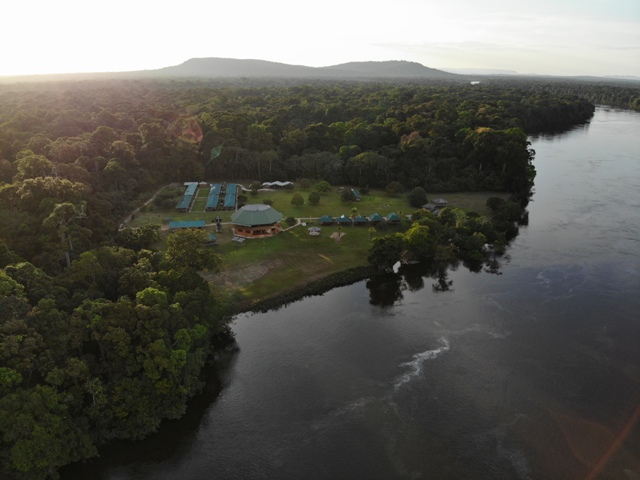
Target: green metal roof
256, 214
393, 217
343, 219
376, 217
326, 219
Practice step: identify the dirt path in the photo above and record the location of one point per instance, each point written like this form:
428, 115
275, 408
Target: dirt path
130, 216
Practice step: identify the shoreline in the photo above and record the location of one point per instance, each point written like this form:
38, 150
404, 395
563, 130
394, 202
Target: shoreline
316, 287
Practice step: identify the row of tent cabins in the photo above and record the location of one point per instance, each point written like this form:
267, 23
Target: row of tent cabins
375, 219
217, 200
221, 196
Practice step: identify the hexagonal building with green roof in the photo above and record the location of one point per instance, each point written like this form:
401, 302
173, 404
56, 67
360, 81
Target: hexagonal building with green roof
256, 221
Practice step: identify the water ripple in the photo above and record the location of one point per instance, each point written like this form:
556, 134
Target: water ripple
418, 359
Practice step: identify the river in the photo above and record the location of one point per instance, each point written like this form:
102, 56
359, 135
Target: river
530, 374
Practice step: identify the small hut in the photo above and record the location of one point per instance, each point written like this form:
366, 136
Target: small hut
326, 220
375, 219
393, 218
343, 220
359, 220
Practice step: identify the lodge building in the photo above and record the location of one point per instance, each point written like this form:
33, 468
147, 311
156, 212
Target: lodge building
256, 221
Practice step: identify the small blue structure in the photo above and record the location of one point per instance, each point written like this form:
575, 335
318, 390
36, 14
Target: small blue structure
187, 224
343, 220
393, 218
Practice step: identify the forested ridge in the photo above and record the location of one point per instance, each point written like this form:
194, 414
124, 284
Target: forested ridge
102, 337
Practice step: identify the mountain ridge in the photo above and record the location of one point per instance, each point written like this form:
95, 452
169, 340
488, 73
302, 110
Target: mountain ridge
219, 67
232, 67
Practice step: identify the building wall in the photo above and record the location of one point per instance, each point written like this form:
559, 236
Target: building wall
262, 231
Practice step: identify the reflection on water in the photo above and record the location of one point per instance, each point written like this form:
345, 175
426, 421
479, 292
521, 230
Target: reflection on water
530, 374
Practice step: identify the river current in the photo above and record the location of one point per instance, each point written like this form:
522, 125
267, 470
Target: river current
530, 374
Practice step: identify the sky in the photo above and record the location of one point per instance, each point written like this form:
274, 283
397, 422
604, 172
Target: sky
555, 37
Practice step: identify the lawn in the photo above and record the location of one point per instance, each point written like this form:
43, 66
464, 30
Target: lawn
259, 268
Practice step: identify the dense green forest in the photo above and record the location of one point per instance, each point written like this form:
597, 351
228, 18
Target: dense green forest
101, 337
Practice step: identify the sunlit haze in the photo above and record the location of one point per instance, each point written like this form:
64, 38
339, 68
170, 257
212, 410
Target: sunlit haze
556, 37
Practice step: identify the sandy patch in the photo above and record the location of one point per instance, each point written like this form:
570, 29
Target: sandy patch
241, 277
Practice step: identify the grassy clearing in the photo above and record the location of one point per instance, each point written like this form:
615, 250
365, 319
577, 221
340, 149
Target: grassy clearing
291, 259
330, 204
261, 268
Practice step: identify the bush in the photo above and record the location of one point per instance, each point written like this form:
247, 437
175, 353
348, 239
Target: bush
267, 201
394, 188
305, 183
494, 203
314, 198
323, 186
417, 197
297, 200
348, 196
290, 221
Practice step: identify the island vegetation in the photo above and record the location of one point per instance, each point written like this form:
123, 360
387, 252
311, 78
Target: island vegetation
105, 327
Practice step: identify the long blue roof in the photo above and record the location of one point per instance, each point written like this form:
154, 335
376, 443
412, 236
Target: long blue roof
212, 201
230, 201
187, 224
191, 189
185, 202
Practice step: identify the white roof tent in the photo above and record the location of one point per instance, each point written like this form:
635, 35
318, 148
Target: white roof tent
277, 184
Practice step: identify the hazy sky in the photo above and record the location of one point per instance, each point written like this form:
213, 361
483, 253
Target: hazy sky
561, 37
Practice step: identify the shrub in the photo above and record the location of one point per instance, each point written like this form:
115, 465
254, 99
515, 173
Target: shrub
394, 188
417, 197
348, 196
323, 186
305, 183
314, 198
297, 200
267, 201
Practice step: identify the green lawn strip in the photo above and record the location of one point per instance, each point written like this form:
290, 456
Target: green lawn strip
200, 202
331, 204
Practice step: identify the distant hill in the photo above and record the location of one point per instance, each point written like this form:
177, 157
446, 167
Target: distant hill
481, 71
230, 67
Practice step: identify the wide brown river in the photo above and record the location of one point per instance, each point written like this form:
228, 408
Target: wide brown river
531, 374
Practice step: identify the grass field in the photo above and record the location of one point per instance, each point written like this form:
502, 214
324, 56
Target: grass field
261, 268
330, 204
